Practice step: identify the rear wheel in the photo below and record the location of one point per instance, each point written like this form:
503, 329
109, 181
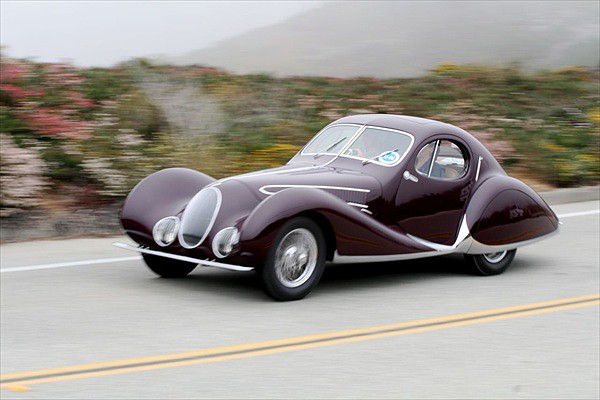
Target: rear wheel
489, 264
296, 260
168, 267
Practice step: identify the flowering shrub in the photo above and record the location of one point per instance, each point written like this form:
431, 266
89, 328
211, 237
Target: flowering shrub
48, 104
21, 177
55, 123
100, 130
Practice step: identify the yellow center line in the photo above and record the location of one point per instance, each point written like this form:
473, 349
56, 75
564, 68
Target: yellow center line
19, 380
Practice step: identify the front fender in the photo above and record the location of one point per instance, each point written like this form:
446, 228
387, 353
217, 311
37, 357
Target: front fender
161, 194
355, 232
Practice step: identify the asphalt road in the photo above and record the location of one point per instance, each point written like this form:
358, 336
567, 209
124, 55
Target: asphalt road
67, 309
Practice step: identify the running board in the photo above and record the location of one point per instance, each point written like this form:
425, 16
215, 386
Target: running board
206, 263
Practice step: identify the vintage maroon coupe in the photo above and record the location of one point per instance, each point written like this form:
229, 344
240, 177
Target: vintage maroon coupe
366, 188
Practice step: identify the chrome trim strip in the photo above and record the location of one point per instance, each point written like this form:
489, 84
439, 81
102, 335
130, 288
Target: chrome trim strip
480, 248
478, 168
210, 224
339, 259
463, 235
463, 232
464, 244
265, 191
357, 205
366, 211
437, 145
441, 248
206, 263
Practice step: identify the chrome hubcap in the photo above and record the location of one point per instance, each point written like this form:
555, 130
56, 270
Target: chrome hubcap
495, 258
296, 258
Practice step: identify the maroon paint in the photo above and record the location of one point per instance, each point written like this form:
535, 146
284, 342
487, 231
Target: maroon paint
431, 208
159, 195
505, 210
355, 232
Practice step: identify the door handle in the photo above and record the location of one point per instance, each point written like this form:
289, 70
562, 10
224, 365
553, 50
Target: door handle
410, 177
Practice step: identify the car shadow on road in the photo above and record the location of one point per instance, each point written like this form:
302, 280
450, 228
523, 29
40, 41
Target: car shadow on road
220, 283
337, 278
365, 275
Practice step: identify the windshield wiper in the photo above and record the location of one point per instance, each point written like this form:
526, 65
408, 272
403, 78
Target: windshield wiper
370, 160
319, 154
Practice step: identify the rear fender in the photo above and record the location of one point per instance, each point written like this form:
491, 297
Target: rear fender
504, 210
162, 194
355, 232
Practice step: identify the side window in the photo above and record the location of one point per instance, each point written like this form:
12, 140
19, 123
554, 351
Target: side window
449, 160
423, 162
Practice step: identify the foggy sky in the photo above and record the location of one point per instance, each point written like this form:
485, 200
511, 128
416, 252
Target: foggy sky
89, 33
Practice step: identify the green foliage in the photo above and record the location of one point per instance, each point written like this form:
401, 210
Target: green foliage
105, 84
63, 167
10, 124
101, 129
136, 112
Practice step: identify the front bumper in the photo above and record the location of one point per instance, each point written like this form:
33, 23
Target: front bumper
206, 263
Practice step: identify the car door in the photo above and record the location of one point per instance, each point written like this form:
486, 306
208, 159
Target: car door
434, 189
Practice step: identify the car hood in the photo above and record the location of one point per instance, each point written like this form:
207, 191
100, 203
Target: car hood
349, 185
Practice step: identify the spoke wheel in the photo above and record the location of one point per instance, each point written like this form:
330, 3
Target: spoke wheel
491, 263
296, 260
495, 258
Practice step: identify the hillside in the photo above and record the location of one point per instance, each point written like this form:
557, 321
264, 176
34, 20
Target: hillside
82, 138
405, 39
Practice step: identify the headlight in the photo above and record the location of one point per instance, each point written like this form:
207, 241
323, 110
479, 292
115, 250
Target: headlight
224, 241
165, 231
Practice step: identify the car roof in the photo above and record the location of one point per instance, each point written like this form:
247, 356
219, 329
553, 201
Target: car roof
421, 128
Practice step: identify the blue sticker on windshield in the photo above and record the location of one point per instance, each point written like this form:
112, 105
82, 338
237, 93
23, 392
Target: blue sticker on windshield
390, 158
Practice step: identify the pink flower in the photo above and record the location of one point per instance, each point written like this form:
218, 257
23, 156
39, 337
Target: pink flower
12, 70
47, 122
79, 100
17, 92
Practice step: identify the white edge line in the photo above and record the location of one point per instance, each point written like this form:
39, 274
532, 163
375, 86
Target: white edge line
578, 214
70, 264
133, 258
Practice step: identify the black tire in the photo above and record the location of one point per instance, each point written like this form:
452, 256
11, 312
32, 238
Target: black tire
489, 264
168, 267
296, 261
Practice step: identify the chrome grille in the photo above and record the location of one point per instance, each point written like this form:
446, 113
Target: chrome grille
350, 196
199, 217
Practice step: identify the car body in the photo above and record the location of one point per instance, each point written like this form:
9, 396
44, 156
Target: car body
366, 188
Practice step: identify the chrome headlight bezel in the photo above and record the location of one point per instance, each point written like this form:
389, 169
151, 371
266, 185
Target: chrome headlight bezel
191, 207
164, 227
225, 241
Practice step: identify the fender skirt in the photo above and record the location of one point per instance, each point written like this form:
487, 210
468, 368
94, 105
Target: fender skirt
504, 210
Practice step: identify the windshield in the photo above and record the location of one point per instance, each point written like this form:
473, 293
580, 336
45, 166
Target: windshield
332, 140
381, 146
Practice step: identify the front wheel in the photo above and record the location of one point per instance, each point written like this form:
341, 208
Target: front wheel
168, 267
489, 264
296, 261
